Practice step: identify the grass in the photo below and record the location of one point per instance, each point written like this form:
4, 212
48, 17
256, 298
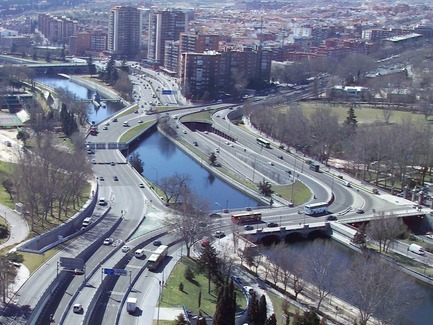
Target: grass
5, 171
364, 113
173, 297
129, 111
134, 131
202, 116
277, 302
33, 261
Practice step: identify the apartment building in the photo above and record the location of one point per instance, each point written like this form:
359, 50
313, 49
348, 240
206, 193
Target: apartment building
165, 25
124, 31
57, 29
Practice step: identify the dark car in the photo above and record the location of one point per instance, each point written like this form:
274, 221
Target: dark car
272, 224
331, 218
115, 178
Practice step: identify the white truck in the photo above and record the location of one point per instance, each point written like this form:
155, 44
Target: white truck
131, 305
417, 249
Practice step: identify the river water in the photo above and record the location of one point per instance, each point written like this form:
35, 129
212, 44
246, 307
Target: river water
162, 158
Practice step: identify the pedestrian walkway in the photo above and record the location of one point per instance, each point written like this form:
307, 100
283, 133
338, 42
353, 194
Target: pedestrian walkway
18, 227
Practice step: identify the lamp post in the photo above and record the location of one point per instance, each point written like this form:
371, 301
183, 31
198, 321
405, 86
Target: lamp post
160, 284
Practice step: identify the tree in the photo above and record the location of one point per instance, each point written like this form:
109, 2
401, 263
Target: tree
272, 320
265, 188
7, 275
8, 185
173, 186
184, 222
136, 162
91, 65
323, 269
226, 305
262, 312
209, 264
385, 229
378, 288
23, 136
253, 310
180, 320
212, 158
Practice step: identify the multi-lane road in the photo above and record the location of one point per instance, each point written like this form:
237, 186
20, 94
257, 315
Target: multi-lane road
141, 207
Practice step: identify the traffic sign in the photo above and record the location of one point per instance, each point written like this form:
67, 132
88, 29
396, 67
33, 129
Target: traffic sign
120, 272
109, 271
166, 92
70, 263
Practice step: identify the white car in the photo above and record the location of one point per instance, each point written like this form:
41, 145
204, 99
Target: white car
126, 249
108, 241
77, 309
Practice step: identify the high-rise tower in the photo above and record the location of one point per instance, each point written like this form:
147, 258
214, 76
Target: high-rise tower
124, 31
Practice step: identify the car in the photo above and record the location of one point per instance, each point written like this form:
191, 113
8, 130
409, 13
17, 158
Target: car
226, 211
89, 151
248, 209
140, 121
281, 157
237, 279
93, 161
115, 178
359, 211
214, 215
429, 234
157, 243
107, 123
112, 163
140, 253
105, 128
219, 234
249, 290
184, 132
141, 185
77, 309
78, 272
195, 143
136, 111
126, 249
272, 224
108, 241
331, 218
114, 119
248, 227
125, 124
101, 178
270, 163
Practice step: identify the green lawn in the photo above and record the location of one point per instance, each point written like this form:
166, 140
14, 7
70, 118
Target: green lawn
173, 297
202, 116
364, 113
134, 131
5, 170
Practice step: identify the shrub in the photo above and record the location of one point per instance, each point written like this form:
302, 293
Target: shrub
181, 286
4, 231
189, 274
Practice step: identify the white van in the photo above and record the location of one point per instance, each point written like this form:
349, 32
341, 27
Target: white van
139, 253
102, 201
87, 221
417, 249
126, 124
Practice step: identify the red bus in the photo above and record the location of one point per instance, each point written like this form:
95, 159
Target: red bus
247, 217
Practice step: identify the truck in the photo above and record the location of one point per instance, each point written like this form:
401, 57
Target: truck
417, 249
131, 305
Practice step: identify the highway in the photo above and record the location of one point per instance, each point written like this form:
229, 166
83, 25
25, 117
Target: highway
132, 204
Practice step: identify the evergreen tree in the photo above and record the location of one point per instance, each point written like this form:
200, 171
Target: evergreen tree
272, 320
351, 117
34, 56
91, 66
262, 312
180, 320
253, 310
226, 305
136, 162
208, 263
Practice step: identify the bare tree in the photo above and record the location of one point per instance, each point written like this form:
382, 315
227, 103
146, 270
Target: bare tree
323, 269
377, 288
185, 221
384, 229
172, 186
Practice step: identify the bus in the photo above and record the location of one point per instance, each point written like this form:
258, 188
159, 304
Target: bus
315, 166
157, 257
316, 208
263, 143
247, 217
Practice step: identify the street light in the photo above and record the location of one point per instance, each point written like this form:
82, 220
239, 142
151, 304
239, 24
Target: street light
160, 283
